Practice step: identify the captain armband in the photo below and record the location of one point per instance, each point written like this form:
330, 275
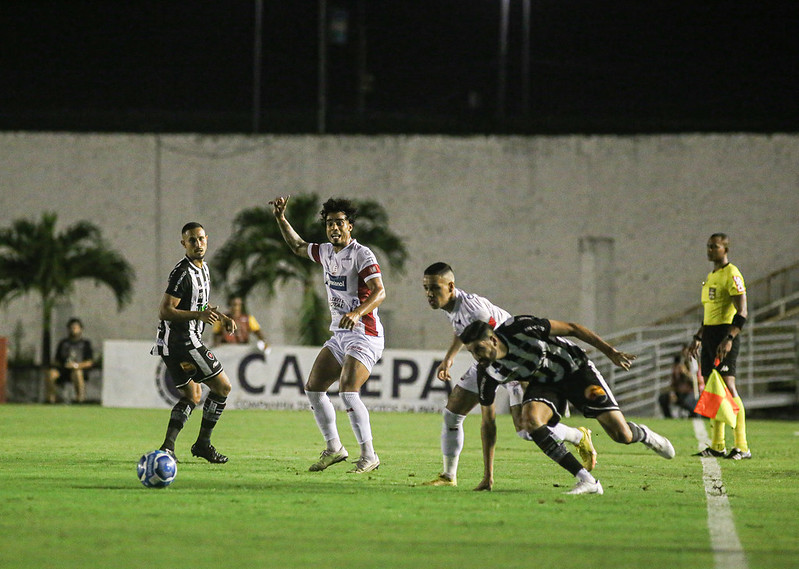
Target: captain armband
739, 321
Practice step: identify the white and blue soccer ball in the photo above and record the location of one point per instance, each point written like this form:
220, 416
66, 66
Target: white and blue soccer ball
156, 469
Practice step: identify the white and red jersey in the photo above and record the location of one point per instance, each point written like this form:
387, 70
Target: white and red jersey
346, 274
470, 308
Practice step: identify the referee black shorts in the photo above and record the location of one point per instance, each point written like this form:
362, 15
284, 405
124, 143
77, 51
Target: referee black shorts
711, 338
187, 363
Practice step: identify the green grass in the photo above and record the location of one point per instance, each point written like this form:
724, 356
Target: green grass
69, 497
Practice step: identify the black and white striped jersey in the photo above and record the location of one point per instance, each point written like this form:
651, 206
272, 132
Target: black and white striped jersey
192, 285
534, 355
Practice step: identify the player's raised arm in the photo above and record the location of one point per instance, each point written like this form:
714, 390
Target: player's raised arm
621, 359
296, 243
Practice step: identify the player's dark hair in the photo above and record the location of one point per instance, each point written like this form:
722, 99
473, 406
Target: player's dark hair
191, 225
724, 238
74, 320
438, 269
477, 330
334, 205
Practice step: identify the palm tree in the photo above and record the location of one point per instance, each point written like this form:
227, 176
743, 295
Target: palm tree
256, 255
34, 258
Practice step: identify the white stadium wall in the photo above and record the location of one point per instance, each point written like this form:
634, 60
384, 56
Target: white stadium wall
605, 230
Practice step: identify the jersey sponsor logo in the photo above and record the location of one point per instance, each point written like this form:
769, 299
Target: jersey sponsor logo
711, 293
739, 283
337, 282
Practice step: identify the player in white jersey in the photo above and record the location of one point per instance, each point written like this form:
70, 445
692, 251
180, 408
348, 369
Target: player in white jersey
462, 309
354, 291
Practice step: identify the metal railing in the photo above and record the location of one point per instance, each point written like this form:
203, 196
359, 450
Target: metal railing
767, 374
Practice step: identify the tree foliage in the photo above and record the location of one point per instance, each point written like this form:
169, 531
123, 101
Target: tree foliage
37, 259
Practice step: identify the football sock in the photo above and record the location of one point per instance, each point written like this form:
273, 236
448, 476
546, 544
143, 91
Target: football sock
556, 450
325, 415
585, 476
212, 410
567, 433
178, 417
717, 435
638, 433
740, 427
359, 419
451, 441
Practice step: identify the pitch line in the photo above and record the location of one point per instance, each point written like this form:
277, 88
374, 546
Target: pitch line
727, 550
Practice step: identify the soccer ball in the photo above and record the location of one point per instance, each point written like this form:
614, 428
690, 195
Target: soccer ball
156, 469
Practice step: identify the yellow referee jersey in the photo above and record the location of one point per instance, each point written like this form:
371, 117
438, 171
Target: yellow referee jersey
717, 291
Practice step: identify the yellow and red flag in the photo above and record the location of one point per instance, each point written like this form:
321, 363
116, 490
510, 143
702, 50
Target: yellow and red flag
716, 401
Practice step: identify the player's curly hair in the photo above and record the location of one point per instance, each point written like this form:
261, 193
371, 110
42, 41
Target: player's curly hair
334, 205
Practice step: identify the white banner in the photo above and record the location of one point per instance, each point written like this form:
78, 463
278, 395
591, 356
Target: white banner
403, 380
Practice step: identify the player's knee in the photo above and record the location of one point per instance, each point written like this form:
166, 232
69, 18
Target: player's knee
223, 388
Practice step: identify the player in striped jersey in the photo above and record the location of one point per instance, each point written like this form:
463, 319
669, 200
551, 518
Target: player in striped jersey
463, 308
184, 312
354, 292
532, 349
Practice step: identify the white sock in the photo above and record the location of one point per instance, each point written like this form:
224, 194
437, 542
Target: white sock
359, 419
451, 441
325, 415
584, 476
567, 433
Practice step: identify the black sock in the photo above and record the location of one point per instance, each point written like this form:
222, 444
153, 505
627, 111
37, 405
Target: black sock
180, 414
638, 433
214, 405
555, 449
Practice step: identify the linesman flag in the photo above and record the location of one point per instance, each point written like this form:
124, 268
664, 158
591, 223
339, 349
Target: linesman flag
716, 401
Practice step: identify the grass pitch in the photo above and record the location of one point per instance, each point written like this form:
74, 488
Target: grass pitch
69, 497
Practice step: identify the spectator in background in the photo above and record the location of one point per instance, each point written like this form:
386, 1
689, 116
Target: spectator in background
73, 356
246, 324
685, 385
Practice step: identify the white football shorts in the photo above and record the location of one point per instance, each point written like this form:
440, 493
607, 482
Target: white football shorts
366, 349
468, 381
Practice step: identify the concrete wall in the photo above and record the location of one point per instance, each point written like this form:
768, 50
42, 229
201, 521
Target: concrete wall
606, 230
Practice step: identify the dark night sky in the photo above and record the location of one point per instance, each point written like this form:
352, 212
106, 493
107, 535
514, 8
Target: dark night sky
615, 66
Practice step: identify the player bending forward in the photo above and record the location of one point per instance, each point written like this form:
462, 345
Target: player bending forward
532, 349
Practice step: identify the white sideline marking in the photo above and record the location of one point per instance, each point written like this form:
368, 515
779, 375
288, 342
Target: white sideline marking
727, 550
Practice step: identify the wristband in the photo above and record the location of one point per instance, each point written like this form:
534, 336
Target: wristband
730, 337
697, 337
739, 321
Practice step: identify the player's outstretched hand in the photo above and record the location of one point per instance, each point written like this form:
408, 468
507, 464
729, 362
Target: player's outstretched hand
622, 359
279, 205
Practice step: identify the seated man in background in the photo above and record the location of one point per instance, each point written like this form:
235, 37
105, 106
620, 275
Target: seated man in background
73, 357
685, 386
246, 324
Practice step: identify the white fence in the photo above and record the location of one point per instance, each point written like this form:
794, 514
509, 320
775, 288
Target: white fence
767, 368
